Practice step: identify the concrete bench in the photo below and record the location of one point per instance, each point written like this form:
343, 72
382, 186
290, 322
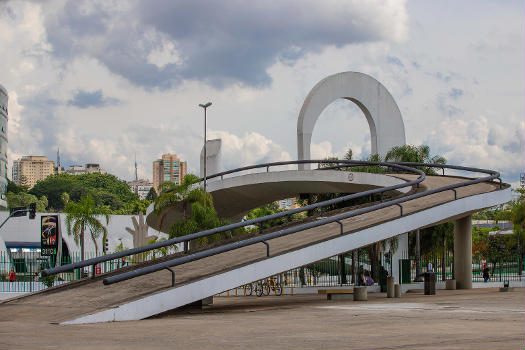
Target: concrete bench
334, 294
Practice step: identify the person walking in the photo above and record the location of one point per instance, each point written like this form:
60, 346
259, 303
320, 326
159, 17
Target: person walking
486, 273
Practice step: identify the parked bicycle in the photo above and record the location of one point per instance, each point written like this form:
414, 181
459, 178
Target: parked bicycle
266, 286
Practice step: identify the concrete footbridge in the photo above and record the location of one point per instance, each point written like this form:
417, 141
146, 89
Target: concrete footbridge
151, 288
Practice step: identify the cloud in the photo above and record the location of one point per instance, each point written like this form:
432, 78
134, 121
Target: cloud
217, 42
480, 143
445, 107
251, 148
395, 61
456, 93
96, 99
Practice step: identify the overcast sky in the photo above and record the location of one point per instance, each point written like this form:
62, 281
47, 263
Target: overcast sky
105, 80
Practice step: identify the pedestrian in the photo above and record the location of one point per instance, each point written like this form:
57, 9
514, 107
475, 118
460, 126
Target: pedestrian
12, 275
486, 273
360, 276
368, 279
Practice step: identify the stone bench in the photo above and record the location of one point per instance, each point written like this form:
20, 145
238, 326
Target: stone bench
358, 293
333, 294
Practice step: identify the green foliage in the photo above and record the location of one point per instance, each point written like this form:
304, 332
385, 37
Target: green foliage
48, 281
14, 188
270, 209
105, 189
152, 195
82, 217
432, 239
23, 199
418, 154
198, 211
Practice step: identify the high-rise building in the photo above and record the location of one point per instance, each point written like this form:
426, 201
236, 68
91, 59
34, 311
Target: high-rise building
30, 169
168, 169
3, 146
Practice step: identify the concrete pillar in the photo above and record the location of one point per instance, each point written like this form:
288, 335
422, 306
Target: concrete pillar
360, 294
397, 291
463, 252
390, 287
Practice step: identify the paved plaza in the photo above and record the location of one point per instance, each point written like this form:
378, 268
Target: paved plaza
452, 319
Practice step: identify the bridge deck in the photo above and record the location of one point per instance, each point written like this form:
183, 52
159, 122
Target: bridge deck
66, 303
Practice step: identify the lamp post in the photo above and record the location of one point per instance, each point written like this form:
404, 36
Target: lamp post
205, 106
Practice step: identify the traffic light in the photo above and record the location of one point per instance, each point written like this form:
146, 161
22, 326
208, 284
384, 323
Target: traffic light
106, 245
32, 210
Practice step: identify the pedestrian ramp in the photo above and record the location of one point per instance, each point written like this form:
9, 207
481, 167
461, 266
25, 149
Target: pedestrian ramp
201, 274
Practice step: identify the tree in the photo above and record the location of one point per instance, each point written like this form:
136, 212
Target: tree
14, 188
198, 212
417, 154
152, 195
23, 199
84, 216
105, 189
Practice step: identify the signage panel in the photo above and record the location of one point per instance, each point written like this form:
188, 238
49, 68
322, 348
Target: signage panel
48, 235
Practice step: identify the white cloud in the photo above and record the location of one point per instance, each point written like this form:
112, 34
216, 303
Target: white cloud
251, 148
258, 121
480, 143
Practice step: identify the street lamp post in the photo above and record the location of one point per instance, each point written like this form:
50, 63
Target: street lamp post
205, 106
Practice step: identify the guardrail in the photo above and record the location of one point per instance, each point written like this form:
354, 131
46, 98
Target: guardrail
280, 233
337, 218
93, 262
183, 239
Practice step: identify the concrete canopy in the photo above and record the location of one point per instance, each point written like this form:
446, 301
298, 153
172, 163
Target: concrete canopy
381, 111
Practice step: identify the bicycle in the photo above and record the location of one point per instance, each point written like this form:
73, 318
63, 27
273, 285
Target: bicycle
267, 285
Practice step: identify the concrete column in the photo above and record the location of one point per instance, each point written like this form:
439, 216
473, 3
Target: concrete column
360, 294
390, 287
463, 252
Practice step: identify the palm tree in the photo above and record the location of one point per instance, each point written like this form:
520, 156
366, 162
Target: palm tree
416, 154
83, 216
198, 212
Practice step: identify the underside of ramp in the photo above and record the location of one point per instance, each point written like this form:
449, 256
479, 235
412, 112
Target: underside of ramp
152, 294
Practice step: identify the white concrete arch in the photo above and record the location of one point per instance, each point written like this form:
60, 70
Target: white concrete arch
381, 111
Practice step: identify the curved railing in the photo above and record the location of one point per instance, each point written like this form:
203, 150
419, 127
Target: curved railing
284, 232
263, 238
343, 163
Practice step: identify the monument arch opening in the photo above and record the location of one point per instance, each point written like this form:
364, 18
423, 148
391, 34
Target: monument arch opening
381, 111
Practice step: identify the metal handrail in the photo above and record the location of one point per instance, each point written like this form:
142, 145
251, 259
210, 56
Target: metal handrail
344, 163
284, 232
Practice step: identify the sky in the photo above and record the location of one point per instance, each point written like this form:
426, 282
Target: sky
107, 80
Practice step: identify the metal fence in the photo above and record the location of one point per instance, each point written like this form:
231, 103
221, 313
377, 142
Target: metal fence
324, 273
20, 270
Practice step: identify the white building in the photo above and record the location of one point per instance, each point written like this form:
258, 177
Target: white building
140, 187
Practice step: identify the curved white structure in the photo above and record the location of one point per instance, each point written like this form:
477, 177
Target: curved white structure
384, 118
235, 196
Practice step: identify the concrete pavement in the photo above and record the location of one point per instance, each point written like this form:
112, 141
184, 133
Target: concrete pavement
452, 319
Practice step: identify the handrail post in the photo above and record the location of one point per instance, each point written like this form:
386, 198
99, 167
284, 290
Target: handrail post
267, 248
172, 276
455, 194
340, 225
400, 207
186, 247
93, 271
